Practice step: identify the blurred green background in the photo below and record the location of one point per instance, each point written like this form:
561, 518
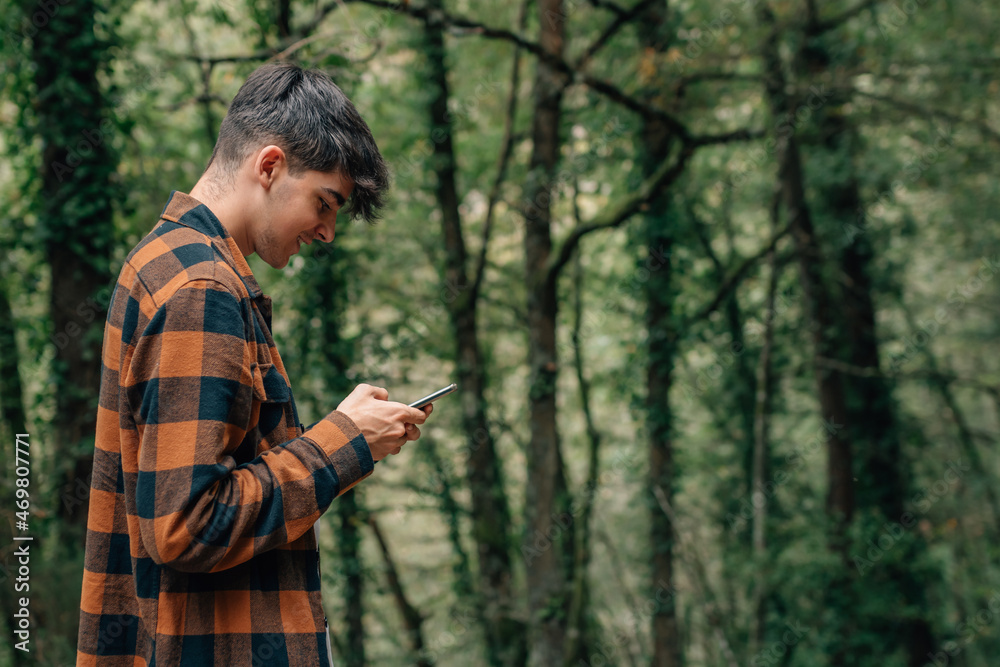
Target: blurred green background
717, 281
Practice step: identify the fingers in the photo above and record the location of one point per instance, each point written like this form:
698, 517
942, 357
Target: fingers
387, 425
415, 415
412, 433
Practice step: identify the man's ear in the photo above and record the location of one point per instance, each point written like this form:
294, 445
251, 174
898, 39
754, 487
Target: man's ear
269, 164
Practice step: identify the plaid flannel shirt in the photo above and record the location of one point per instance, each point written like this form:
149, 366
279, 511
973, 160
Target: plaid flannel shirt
200, 548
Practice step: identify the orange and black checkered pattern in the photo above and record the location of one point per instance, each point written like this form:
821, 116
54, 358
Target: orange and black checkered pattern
206, 488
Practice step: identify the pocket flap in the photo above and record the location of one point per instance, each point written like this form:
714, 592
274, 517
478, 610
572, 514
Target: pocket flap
268, 385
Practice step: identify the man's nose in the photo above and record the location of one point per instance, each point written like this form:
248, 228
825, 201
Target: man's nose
325, 233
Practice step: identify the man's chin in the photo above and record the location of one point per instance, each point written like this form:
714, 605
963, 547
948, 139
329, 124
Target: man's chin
277, 263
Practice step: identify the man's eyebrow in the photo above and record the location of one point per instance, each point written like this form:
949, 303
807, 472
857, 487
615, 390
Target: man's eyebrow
339, 197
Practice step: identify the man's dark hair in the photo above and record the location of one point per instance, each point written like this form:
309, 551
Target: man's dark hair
310, 118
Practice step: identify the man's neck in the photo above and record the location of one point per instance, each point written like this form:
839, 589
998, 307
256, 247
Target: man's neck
228, 208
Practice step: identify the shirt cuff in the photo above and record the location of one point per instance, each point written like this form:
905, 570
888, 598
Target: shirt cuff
344, 444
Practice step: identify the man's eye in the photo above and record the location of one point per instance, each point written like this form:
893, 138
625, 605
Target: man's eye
325, 206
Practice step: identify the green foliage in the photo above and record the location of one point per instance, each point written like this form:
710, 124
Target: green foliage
915, 91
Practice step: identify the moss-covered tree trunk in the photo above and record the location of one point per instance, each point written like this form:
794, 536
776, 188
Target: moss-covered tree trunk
881, 471
819, 308
658, 234
75, 215
548, 540
505, 636
326, 296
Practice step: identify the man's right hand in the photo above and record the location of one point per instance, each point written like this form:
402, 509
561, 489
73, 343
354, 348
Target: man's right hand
384, 423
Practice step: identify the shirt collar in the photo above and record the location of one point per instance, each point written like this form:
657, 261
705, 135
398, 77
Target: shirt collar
184, 209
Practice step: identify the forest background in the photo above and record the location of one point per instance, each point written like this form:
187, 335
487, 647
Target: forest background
717, 281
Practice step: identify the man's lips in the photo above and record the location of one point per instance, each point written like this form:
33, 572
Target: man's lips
299, 240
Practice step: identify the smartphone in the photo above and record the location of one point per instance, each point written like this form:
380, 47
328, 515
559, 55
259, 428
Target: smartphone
430, 398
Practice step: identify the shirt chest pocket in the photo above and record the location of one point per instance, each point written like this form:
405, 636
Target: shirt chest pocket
268, 384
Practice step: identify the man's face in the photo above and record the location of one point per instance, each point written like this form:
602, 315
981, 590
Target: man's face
300, 210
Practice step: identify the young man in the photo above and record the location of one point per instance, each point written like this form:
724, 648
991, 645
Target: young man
206, 489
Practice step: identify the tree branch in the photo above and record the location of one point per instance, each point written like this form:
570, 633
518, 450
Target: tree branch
690, 557
279, 52
743, 134
906, 105
507, 147
734, 279
621, 19
664, 175
919, 374
612, 7
582, 548
845, 16
616, 94
706, 243
412, 619
462, 26
468, 26
717, 75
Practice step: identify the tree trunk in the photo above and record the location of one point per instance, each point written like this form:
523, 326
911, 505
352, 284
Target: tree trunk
413, 620
283, 21
546, 542
324, 289
505, 637
880, 468
819, 303
76, 215
761, 452
349, 543
819, 307
659, 229
577, 649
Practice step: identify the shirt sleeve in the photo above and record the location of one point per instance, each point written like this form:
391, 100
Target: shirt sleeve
191, 393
